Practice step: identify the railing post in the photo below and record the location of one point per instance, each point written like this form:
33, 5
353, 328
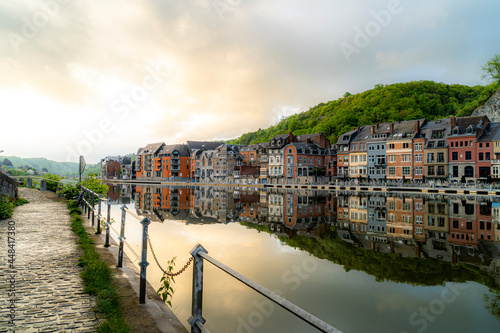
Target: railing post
99, 216
197, 293
93, 211
122, 237
108, 223
88, 204
144, 263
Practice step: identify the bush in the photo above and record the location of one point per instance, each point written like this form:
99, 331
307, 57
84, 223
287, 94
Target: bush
6, 207
52, 181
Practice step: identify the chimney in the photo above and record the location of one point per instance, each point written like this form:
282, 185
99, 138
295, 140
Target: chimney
417, 126
453, 122
357, 129
372, 130
391, 128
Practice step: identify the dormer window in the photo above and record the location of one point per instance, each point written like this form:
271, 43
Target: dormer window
470, 129
456, 130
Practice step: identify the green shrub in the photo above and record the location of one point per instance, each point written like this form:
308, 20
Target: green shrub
52, 181
6, 207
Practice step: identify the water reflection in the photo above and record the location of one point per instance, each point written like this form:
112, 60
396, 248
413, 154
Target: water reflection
430, 240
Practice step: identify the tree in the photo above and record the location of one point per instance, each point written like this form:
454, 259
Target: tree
492, 69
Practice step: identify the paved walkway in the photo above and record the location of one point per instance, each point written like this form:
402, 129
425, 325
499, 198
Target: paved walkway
46, 289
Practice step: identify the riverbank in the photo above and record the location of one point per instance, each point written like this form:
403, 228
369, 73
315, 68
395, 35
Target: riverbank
152, 317
324, 187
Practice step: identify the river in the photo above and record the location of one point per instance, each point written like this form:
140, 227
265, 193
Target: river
359, 261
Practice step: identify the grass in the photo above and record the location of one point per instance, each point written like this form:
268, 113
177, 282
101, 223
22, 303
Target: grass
97, 277
7, 206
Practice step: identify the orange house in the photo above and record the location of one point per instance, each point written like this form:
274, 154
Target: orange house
175, 161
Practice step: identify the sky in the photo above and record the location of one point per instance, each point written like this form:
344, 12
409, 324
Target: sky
98, 78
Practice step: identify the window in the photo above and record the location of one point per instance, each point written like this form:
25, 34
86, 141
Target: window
487, 145
456, 130
470, 129
440, 143
407, 158
488, 157
406, 145
418, 158
391, 146
392, 171
406, 171
455, 171
430, 157
480, 145
418, 171
451, 144
454, 156
481, 156
440, 157
418, 147
391, 158
468, 155
440, 171
437, 134
392, 205
469, 171
430, 170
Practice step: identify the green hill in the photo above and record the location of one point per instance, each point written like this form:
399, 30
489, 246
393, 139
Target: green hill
53, 167
400, 101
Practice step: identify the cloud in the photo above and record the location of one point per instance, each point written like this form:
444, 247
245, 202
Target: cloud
232, 69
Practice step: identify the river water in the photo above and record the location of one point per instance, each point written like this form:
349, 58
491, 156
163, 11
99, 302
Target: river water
359, 261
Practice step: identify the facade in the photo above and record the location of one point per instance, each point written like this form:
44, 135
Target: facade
462, 143
399, 148
303, 161
343, 145
376, 145
147, 163
358, 154
435, 154
275, 153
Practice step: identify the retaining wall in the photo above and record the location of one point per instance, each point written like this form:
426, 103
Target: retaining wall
8, 186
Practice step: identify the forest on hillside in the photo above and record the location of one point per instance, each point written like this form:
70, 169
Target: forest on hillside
383, 103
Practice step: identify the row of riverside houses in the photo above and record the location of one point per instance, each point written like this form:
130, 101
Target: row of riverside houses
462, 149
284, 159
455, 149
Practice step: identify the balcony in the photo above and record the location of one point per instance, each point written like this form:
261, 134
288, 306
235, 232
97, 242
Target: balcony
495, 161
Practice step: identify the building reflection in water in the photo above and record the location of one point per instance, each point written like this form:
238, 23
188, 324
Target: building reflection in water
452, 229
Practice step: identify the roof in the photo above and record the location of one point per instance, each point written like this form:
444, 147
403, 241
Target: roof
404, 130
478, 122
345, 139
363, 135
182, 149
491, 133
151, 148
308, 146
206, 145
434, 126
307, 136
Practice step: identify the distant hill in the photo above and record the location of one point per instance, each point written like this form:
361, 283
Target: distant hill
60, 168
400, 101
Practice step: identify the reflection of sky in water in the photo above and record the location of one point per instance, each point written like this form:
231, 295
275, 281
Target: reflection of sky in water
350, 301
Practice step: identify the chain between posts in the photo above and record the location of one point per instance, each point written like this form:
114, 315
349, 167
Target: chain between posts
161, 268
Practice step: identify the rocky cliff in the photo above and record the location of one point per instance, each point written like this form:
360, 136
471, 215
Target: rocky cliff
491, 108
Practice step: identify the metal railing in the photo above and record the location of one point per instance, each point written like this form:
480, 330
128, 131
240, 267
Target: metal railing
90, 199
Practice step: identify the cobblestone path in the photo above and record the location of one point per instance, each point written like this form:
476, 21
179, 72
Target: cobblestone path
43, 289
